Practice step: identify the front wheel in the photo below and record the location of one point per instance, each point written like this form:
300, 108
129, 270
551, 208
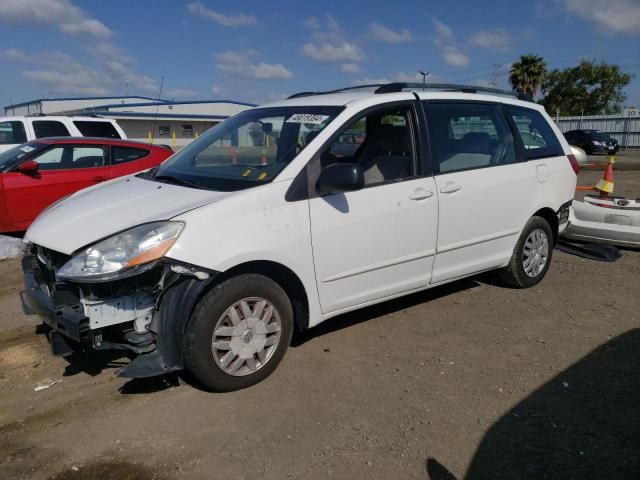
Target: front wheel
531, 255
238, 333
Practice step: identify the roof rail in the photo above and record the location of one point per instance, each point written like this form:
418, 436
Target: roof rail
345, 89
450, 87
400, 86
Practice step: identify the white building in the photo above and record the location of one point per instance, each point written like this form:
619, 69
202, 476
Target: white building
168, 122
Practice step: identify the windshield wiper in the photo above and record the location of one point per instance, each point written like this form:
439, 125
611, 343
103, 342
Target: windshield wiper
177, 181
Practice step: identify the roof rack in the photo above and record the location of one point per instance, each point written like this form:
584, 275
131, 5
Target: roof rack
400, 86
345, 89
450, 87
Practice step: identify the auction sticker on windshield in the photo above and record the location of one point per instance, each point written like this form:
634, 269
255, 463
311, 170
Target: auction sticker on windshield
307, 118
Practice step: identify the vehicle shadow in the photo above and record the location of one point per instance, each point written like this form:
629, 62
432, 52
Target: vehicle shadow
582, 424
362, 315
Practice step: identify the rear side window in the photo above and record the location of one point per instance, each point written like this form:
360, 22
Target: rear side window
96, 129
12, 132
127, 154
50, 128
464, 136
538, 139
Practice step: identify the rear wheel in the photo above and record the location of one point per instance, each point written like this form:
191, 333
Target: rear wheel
531, 255
238, 333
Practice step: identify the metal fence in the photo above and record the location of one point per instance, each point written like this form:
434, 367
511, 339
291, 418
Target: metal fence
623, 127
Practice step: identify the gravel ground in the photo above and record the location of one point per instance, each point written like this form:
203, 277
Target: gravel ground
470, 380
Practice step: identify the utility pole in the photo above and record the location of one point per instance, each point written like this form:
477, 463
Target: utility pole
494, 75
424, 77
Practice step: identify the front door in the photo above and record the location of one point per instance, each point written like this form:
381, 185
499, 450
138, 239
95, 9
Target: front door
378, 241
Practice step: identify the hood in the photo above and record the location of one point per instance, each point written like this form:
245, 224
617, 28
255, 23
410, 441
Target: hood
101, 211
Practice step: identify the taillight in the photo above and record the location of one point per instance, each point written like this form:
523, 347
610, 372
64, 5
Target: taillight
574, 163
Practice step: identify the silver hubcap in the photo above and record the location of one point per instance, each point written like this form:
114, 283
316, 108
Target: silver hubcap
536, 253
246, 336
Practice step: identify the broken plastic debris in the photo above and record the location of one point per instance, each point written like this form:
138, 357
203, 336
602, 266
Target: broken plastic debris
48, 385
10, 247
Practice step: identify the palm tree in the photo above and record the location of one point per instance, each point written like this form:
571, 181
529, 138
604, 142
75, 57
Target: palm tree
527, 75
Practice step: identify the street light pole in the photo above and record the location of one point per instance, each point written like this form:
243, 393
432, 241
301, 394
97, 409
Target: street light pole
424, 78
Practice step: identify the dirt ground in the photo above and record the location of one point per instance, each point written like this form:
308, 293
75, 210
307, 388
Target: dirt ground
471, 380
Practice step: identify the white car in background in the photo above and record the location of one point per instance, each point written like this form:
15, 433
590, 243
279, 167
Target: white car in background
263, 225
17, 130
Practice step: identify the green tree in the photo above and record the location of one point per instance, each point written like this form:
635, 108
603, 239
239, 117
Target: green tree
589, 89
527, 75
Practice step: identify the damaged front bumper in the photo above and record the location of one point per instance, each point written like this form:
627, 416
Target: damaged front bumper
144, 315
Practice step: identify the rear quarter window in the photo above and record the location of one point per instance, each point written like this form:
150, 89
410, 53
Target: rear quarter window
50, 128
127, 154
538, 138
96, 129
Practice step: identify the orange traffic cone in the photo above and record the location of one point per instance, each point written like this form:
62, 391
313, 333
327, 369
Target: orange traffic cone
605, 184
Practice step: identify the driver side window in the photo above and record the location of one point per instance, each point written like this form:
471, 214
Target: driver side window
380, 142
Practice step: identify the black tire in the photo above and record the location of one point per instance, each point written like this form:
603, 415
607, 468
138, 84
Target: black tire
197, 342
514, 274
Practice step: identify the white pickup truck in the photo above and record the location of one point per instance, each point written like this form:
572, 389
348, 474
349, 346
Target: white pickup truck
18, 130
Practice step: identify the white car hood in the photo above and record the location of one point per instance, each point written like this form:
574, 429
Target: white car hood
98, 212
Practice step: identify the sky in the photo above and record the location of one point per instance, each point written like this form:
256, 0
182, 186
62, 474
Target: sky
260, 51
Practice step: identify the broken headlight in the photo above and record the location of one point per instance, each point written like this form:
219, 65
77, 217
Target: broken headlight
124, 254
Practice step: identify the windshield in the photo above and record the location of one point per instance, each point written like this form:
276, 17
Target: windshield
11, 158
247, 150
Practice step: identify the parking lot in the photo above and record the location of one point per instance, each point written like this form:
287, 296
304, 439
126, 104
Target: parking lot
469, 380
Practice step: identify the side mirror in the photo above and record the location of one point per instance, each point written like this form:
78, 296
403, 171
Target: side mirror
340, 177
28, 167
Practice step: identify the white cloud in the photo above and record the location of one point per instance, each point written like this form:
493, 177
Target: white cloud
385, 34
239, 20
312, 22
276, 97
327, 52
61, 73
81, 82
497, 39
61, 14
482, 82
443, 40
218, 90
611, 16
454, 57
350, 68
180, 93
406, 77
372, 81
329, 44
243, 64
442, 29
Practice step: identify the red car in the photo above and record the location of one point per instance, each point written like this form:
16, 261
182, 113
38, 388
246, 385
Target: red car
37, 173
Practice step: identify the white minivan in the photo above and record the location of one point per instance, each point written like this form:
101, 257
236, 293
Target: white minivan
286, 215
15, 131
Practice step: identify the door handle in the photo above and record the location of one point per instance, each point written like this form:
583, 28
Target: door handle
99, 179
420, 194
450, 187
